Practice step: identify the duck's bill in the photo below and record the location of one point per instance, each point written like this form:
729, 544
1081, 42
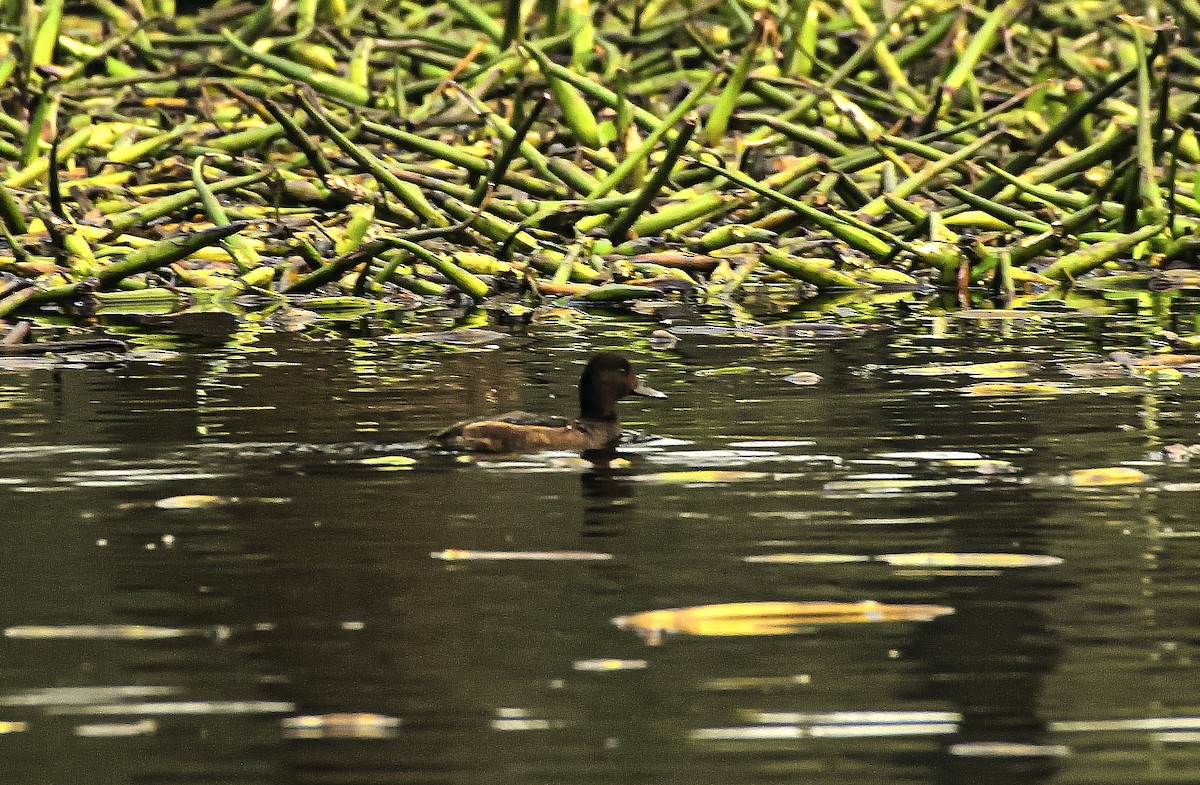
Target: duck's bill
647, 391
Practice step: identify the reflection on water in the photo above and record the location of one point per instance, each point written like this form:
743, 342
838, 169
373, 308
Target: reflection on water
237, 563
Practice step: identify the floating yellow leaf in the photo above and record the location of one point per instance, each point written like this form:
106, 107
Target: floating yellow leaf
1015, 388
985, 560
355, 725
805, 558
1158, 374
1006, 369
13, 727
1111, 475
896, 484
570, 462
135, 632
701, 476
609, 664
457, 555
390, 463
768, 618
728, 370
999, 370
192, 502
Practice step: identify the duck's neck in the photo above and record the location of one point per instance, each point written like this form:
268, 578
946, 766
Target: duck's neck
594, 405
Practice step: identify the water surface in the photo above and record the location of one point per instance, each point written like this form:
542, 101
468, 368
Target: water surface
298, 627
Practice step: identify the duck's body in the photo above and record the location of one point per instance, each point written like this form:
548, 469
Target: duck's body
607, 378
526, 432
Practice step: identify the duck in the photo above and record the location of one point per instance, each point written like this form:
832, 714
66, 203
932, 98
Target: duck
607, 377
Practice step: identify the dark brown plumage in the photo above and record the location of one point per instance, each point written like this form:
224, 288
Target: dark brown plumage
607, 378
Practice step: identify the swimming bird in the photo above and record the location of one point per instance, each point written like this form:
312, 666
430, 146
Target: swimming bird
607, 377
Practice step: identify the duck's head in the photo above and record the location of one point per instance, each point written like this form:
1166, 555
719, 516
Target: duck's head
608, 377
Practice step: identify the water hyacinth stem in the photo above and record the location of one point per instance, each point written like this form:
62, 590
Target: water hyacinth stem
658, 178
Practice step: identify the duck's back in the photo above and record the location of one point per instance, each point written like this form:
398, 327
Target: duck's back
527, 432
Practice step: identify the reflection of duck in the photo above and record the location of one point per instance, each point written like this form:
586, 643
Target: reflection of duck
607, 377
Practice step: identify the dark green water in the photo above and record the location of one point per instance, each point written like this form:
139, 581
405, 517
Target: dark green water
156, 645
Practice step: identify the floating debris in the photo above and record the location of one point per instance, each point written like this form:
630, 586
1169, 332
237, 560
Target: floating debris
981, 466
748, 733
803, 379
760, 444
898, 484
995, 370
350, 725
512, 719
131, 476
996, 389
981, 560
1178, 737
34, 451
701, 477
1098, 370
293, 320
80, 696
932, 455
390, 462
1185, 723
806, 558
727, 370
1155, 361
194, 502
117, 730
766, 683
1179, 453
663, 340
1110, 475
853, 717
835, 725
112, 632
769, 618
461, 555
605, 665
181, 708
1005, 749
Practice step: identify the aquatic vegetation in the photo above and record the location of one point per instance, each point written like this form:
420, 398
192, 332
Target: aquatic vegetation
591, 153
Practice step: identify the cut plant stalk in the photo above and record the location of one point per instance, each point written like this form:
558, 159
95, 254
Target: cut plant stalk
326, 84
409, 195
1072, 265
658, 178
164, 252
